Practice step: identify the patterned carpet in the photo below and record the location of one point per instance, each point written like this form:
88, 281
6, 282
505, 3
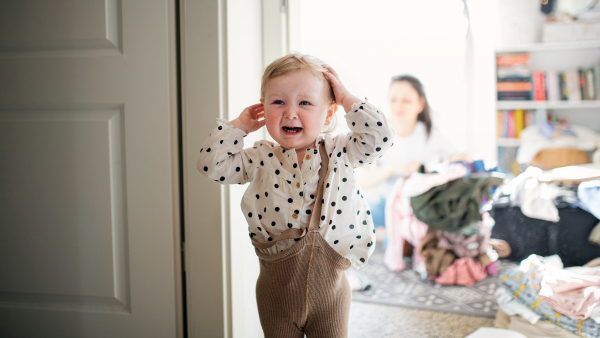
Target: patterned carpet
406, 289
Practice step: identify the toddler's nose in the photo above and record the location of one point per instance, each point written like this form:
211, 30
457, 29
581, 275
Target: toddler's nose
291, 114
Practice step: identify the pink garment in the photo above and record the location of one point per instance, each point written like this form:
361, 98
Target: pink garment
491, 269
572, 294
464, 271
400, 221
462, 245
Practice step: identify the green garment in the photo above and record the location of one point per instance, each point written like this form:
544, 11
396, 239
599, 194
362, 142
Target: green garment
456, 204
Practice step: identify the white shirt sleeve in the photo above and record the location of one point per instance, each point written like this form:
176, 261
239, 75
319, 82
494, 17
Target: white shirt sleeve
223, 157
370, 136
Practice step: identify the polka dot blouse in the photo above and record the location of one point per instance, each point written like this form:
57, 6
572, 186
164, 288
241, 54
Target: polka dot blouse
282, 196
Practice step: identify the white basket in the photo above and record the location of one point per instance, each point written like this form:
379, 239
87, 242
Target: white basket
571, 31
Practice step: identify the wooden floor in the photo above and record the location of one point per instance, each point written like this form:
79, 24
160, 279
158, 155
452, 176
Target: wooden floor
368, 320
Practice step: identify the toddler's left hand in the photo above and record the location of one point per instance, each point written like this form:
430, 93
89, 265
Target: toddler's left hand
342, 96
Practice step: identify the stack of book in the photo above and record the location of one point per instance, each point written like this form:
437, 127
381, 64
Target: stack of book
511, 122
514, 76
573, 85
517, 82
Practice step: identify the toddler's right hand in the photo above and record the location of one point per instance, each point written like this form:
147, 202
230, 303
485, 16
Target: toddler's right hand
248, 121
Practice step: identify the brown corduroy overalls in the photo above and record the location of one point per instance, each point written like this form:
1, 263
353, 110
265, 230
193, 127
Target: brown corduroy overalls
303, 289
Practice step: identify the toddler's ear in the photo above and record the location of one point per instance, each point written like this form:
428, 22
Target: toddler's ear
330, 112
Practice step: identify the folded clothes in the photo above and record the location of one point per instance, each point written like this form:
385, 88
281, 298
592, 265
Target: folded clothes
524, 284
573, 292
513, 306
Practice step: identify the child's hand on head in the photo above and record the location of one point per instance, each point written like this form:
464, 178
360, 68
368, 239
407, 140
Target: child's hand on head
342, 96
248, 121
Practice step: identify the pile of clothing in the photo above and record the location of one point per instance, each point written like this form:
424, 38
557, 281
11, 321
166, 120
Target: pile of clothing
537, 215
540, 298
536, 197
588, 194
441, 215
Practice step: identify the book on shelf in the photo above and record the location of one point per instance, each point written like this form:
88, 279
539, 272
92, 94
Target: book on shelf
590, 91
512, 122
518, 122
539, 86
516, 81
552, 86
513, 76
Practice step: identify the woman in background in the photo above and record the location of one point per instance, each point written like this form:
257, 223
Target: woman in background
415, 143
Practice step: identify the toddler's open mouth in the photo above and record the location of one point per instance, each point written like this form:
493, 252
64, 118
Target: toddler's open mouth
291, 130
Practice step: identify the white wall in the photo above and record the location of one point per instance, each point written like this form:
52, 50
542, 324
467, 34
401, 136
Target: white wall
244, 43
481, 99
368, 44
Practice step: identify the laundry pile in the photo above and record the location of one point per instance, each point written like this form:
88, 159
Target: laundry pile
537, 214
540, 298
588, 194
440, 214
537, 197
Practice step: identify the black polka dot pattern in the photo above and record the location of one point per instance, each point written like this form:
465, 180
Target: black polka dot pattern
267, 165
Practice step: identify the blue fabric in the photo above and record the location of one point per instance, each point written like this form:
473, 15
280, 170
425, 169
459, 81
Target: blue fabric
378, 213
589, 196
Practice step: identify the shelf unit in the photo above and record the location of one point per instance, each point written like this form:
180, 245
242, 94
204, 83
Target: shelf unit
550, 46
548, 105
558, 57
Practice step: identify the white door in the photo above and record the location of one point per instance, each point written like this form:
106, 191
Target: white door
89, 217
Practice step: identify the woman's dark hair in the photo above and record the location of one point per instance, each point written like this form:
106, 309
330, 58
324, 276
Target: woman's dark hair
424, 116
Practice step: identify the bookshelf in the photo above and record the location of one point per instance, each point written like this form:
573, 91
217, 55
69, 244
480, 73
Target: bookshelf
549, 105
550, 46
558, 57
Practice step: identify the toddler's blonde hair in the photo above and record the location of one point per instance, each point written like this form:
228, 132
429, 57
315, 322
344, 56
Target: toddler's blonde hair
295, 62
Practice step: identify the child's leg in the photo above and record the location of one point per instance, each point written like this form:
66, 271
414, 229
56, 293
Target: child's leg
329, 295
331, 310
279, 309
281, 293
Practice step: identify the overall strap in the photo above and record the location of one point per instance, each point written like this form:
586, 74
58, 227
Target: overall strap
313, 224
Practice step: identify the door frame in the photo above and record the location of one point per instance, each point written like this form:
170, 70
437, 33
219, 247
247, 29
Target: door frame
205, 91
203, 60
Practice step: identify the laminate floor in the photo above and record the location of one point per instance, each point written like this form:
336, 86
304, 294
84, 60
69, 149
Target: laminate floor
368, 320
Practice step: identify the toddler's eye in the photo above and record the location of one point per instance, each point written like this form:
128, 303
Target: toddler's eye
304, 103
278, 102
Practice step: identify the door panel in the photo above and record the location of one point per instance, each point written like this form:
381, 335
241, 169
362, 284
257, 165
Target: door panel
38, 27
75, 216
88, 215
